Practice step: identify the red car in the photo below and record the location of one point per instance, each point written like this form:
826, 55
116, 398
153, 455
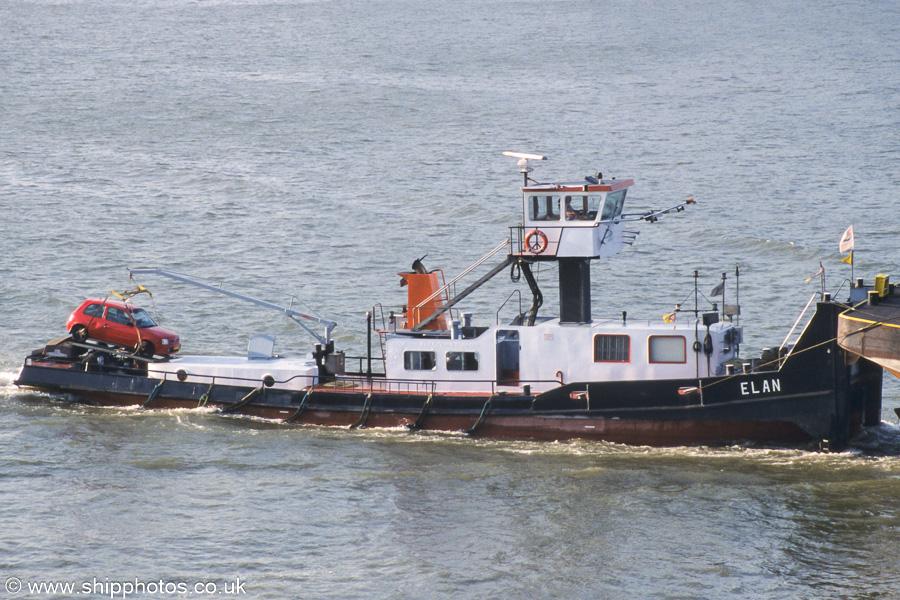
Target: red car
120, 323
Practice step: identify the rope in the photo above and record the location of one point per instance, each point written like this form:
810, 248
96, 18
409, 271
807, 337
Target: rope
301, 408
365, 413
890, 322
205, 397
243, 401
829, 341
153, 394
415, 425
482, 417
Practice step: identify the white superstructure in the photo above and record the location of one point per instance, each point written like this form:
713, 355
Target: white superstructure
549, 353
570, 224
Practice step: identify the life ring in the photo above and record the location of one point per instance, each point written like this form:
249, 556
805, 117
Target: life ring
536, 241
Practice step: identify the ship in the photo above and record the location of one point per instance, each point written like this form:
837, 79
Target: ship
672, 381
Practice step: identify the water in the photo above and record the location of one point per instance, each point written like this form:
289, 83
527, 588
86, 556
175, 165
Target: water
317, 148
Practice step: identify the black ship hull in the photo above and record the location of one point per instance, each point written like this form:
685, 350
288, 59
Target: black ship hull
813, 395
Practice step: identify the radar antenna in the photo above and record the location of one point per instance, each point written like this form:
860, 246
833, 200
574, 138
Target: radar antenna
524, 166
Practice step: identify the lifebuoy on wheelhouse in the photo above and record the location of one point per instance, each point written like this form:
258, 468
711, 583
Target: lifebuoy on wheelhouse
536, 241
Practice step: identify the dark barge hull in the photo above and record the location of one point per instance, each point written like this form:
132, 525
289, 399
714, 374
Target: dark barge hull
816, 395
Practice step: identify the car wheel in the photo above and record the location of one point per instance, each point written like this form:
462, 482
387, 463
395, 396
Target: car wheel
146, 349
79, 333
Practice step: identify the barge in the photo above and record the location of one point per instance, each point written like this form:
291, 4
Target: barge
870, 328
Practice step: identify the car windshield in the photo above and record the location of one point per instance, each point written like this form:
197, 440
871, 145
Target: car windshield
141, 318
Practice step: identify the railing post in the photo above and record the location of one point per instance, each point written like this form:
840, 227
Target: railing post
791, 332
369, 345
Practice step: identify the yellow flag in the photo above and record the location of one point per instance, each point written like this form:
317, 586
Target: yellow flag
848, 259
669, 318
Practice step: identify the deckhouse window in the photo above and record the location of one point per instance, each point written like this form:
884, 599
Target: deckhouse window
582, 208
613, 206
462, 361
668, 349
415, 360
544, 208
612, 348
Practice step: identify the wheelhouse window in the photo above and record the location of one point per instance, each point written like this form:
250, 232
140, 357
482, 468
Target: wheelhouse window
462, 361
543, 208
612, 348
415, 360
612, 208
582, 208
668, 349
